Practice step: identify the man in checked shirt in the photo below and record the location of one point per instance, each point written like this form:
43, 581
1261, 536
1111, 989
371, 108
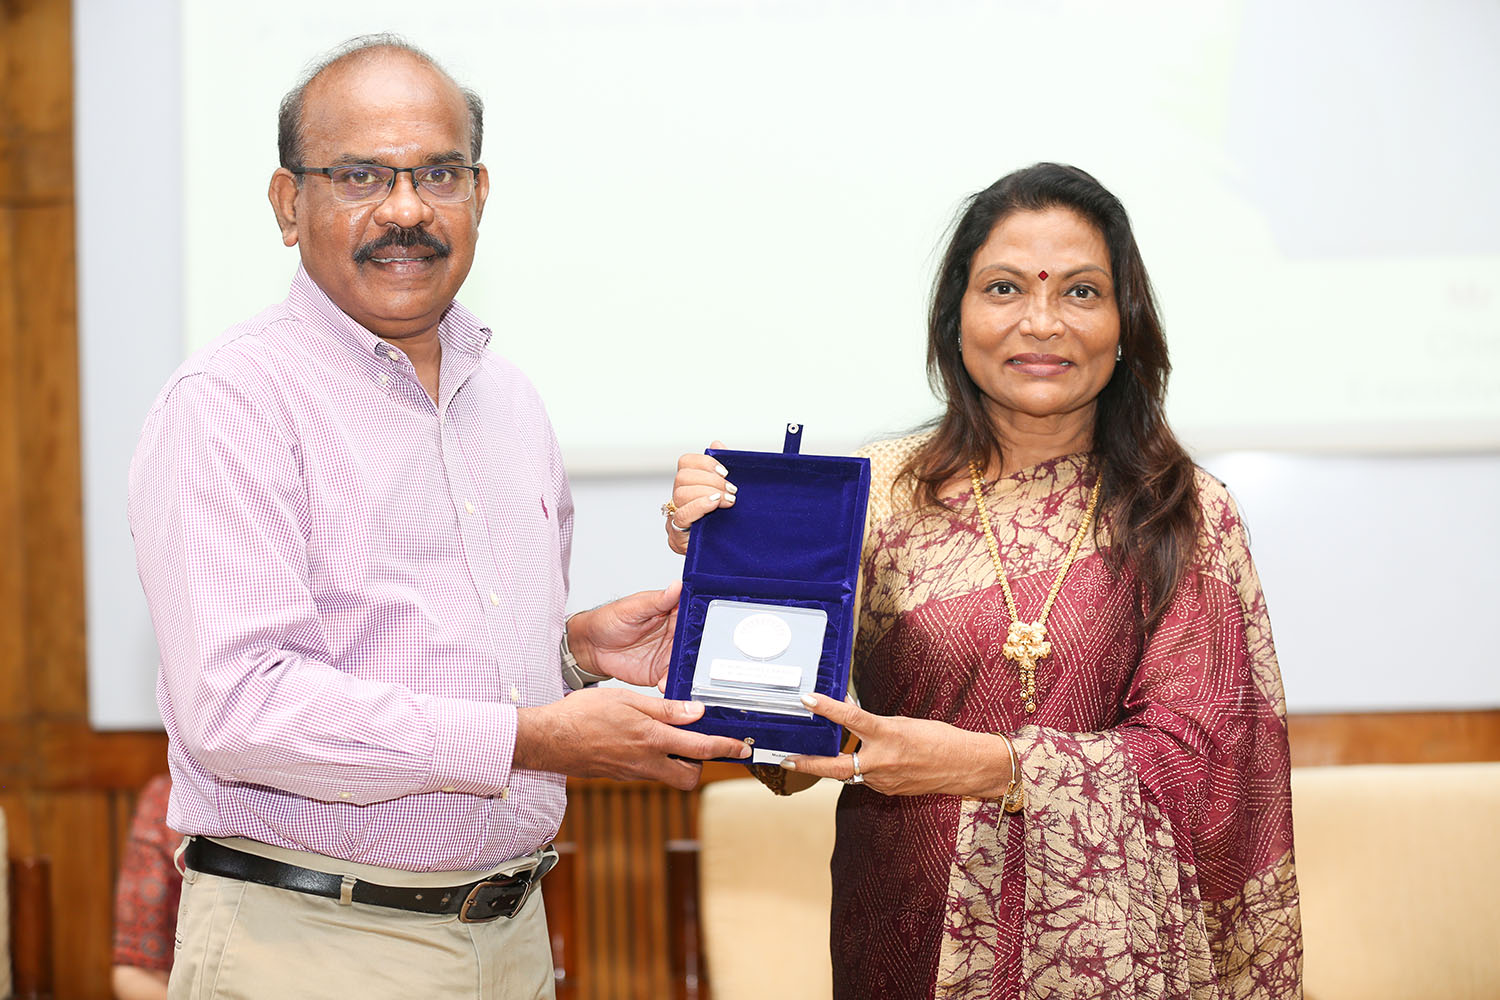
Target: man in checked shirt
352, 525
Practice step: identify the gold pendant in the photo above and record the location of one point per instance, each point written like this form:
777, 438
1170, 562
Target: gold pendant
1025, 643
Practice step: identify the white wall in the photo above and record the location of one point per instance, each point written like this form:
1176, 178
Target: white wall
128, 158
712, 217
1381, 575
738, 198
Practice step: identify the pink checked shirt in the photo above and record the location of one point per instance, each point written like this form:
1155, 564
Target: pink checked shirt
353, 589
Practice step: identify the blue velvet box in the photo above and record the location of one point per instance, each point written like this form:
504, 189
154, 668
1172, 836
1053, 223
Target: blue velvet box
792, 538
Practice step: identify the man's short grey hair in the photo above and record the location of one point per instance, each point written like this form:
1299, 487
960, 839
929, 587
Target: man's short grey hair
289, 122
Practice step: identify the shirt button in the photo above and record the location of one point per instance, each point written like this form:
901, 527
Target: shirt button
505, 792
494, 598
384, 379
468, 507
345, 795
450, 789
515, 693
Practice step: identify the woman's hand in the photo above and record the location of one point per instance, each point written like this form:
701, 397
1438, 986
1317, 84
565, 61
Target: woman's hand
901, 756
702, 485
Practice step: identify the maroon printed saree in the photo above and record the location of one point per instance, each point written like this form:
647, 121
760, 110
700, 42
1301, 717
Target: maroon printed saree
1154, 858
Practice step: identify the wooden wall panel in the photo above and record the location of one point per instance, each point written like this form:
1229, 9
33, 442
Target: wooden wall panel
41, 351
81, 821
52, 498
1394, 738
619, 831
14, 696
45, 346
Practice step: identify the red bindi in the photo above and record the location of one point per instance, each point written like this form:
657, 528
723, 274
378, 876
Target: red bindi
1042, 275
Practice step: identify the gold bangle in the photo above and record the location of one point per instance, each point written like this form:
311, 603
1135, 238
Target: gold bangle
1014, 799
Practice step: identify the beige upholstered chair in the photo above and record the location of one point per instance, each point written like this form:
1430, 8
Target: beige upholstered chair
1399, 867
763, 881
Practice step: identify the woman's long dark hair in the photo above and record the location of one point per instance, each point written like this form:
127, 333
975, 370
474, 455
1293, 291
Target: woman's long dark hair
1148, 496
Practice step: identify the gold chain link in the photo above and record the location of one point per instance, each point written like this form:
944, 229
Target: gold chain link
1026, 643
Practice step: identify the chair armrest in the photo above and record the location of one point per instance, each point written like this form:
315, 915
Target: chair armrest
31, 927
686, 952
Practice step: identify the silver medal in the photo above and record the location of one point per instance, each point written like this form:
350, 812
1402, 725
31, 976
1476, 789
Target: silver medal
762, 637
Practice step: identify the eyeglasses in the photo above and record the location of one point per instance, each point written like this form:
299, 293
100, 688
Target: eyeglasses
357, 182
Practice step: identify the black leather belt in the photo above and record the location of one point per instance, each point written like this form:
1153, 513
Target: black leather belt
475, 902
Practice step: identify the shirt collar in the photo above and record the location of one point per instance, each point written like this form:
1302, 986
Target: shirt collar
458, 330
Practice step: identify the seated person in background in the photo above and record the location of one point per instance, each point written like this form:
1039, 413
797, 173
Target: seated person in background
146, 899
1094, 802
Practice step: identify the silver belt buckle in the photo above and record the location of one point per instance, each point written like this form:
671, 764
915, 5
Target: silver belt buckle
494, 898
504, 897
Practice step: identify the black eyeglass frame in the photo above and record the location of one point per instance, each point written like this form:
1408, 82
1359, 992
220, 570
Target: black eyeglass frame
395, 172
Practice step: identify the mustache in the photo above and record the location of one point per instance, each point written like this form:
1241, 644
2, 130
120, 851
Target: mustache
402, 239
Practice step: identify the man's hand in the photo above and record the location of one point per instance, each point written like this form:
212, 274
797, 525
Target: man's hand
613, 733
629, 639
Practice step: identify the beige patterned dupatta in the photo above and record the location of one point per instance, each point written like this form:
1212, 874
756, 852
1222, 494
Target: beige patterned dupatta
1154, 858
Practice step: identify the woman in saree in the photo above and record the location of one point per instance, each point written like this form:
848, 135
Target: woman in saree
1072, 776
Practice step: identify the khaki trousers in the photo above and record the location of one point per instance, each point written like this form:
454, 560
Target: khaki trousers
242, 940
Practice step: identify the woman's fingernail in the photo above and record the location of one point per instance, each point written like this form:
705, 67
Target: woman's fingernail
721, 470
789, 764
715, 497
730, 487
810, 701
694, 706
729, 499
745, 750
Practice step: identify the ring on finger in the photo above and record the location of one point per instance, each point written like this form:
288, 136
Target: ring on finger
669, 511
857, 778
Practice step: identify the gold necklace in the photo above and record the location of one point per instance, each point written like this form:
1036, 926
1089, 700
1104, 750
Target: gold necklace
1026, 643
